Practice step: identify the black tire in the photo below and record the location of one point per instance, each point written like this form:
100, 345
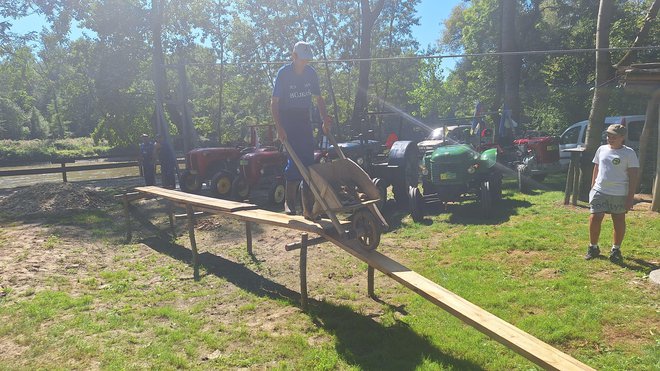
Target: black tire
221, 184
405, 159
366, 228
485, 198
277, 193
240, 189
495, 185
381, 184
189, 182
416, 204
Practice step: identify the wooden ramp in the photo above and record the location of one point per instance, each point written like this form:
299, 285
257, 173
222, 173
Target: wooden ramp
521, 342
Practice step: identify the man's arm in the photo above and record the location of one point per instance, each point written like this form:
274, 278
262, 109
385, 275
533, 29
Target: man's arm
633, 177
275, 111
327, 120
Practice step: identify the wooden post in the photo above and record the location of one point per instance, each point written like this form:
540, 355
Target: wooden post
303, 271
193, 244
63, 166
569, 180
170, 214
248, 236
127, 214
370, 282
576, 180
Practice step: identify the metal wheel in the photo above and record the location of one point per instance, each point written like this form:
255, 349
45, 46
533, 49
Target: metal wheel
366, 228
190, 183
221, 184
240, 189
277, 193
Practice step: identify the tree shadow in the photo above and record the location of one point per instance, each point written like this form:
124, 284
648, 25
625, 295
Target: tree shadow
471, 214
377, 347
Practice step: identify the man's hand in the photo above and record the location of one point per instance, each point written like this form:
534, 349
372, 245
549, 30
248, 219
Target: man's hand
630, 201
327, 124
281, 134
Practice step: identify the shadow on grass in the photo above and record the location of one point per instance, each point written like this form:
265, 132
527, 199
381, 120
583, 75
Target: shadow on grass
466, 213
634, 264
361, 341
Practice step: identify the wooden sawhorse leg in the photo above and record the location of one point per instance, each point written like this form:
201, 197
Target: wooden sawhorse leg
193, 243
248, 236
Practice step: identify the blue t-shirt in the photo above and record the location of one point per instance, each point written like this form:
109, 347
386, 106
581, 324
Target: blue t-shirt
296, 90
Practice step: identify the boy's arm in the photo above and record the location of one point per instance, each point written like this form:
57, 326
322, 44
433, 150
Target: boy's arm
633, 177
594, 175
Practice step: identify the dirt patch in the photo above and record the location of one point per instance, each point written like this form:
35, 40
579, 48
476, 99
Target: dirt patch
52, 199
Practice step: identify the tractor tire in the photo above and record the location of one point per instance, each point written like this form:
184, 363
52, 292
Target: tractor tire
381, 184
405, 159
495, 185
221, 184
240, 189
485, 198
277, 193
416, 204
189, 182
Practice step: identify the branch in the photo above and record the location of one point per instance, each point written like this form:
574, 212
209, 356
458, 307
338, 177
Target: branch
643, 32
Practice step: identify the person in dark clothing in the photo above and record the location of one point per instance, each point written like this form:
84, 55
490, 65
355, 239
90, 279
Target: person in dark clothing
147, 159
291, 105
167, 163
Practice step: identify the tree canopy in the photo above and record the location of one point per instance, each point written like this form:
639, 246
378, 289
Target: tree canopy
102, 84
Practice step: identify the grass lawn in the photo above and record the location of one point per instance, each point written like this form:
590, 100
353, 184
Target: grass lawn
74, 296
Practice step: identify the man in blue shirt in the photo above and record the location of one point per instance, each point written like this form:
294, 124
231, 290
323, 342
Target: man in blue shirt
147, 159
291, 105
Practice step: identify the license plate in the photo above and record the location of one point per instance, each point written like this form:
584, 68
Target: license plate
551, 148
243, 162
447, 176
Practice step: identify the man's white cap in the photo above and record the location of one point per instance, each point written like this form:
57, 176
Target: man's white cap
303, 50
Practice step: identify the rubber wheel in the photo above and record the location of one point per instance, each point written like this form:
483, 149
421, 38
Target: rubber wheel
416, 204
485, 198
277, 193
382, 190
495, 185
221, 184
189, 182
240, 190
366, 228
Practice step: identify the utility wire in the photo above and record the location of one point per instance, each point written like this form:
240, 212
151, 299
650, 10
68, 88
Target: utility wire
467, 55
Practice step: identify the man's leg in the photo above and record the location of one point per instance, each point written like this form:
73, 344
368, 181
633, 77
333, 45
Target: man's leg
619, 221
595, 222
290, 198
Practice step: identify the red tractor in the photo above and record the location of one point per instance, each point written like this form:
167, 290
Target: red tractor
539, 157
217, 167
261, 173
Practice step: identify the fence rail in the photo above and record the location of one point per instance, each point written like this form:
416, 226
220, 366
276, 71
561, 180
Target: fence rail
64, 169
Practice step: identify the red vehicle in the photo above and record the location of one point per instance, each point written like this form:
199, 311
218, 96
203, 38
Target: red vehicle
539, 157
261, 173
217, 167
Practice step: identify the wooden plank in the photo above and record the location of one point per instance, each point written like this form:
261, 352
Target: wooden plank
196, 200
521, 342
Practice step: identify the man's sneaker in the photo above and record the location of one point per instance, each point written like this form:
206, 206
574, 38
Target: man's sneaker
615, 255
593, 252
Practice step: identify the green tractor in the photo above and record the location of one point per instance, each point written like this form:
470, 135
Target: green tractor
454, 172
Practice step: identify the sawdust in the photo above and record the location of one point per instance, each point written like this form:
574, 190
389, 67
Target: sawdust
46, 199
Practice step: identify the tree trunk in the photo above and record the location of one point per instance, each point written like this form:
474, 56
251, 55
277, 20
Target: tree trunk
368, 18
511, 64
601, 98
649, 132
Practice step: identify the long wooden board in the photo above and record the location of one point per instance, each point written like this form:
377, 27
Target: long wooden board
521, 342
